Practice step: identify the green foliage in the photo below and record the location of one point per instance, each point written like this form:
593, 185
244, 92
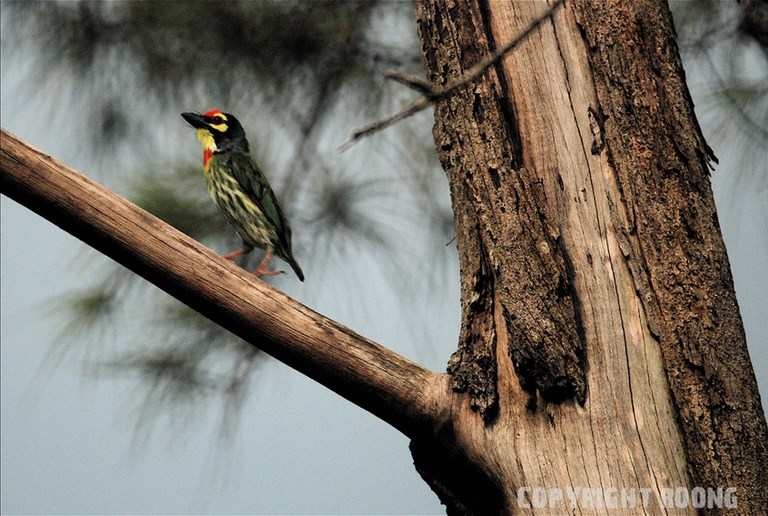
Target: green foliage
721, 37
298, 74
293, 71
179, 198
301, 56
84, 310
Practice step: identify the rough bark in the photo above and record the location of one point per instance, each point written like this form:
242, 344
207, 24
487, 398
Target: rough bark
671, 238
601, 344
509, 247
591, 261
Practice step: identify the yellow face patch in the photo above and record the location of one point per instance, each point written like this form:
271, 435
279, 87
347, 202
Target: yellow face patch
209, 146
206, 138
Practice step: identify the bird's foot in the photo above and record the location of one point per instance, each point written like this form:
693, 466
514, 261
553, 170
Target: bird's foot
263, 268
260, 273
234, 254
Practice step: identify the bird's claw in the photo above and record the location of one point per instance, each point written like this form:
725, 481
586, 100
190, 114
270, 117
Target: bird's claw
260, 273
234, 254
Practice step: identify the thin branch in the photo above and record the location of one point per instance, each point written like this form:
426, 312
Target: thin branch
410, 110
431, 93
422, 86
377, 379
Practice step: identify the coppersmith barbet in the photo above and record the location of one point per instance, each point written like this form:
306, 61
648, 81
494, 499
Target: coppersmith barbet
240, 189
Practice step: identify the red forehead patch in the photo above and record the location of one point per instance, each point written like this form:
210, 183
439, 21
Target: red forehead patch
212, 112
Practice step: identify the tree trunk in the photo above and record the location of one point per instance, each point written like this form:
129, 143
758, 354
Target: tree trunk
601, 344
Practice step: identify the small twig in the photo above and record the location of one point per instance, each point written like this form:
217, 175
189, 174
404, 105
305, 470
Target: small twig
412, 109
423, 86
431, 93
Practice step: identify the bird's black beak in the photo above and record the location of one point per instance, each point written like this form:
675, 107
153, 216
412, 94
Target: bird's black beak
195, 120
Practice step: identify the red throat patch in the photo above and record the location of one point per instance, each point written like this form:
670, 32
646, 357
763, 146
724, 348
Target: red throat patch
207, 153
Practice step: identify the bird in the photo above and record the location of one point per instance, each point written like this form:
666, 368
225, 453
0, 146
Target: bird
241, 190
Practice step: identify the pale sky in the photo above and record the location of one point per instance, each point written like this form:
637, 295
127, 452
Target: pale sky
68, 440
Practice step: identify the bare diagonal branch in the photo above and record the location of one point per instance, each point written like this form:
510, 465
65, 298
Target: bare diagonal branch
368, 374
431, 93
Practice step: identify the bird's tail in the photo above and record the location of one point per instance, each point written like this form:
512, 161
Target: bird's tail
295, 266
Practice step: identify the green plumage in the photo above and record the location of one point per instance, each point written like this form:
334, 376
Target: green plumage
240, 189
242, 192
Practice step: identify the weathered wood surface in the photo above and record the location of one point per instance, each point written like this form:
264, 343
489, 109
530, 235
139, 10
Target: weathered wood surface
572, 239
601, 344
368, 374
669, 237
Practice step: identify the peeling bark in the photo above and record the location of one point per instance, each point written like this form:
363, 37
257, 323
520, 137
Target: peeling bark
669, 223
508, 241
592, 265
601, 344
